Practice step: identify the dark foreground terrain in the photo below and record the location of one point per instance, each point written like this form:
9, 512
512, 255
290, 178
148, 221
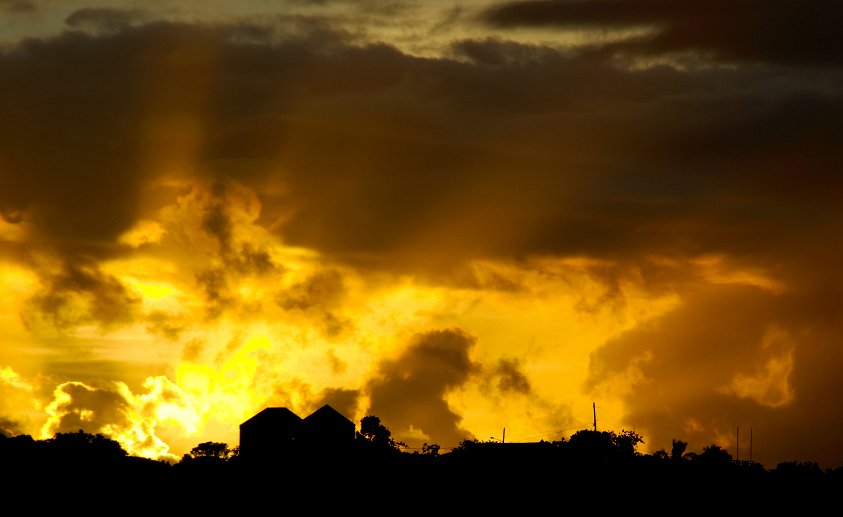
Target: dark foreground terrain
87, 474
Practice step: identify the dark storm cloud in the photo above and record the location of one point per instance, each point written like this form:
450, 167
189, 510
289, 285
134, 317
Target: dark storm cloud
343, 400
166, 325
410, 391
735, 356
368, 155
65, 164
324, 288
778, 31
239, 259
217, 221
99, 19
319, 295
17, 6
510, 378
89, 409
73, 160
496, 52
596, 160
558, 153
214, 285
9, 427
78, 295
257, 261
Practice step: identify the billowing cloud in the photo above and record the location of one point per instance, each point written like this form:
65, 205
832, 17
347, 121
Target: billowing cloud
730, 356
131, 419
320, 294
255, 206
510, 378
611, 182
409, 393
77, 295
78, 406
17, 403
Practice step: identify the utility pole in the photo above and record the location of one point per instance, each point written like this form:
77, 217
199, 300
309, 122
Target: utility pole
738, 445
503, 438
594, 409
750, 445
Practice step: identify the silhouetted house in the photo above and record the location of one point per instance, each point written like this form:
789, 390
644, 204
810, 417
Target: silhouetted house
269, 434
276, 433
327, 428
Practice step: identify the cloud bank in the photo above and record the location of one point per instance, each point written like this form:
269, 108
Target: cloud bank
496, 232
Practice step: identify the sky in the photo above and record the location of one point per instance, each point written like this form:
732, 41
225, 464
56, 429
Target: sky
479, 220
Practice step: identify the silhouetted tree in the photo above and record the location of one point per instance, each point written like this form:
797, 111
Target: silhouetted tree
465, 445
603, 446
798, 472
430, 450
677, 450
713, 456
218, 450
626, 442
79, 445
661, 455
377, 435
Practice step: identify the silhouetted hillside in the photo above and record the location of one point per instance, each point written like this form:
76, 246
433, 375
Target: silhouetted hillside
598, 469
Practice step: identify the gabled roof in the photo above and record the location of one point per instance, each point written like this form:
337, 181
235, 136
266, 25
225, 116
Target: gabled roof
273, 415
326, 415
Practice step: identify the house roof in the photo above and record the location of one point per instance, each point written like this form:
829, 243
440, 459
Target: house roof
328, 415
273, 415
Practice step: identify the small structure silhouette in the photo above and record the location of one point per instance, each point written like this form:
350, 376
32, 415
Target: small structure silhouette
328, 428
277, 433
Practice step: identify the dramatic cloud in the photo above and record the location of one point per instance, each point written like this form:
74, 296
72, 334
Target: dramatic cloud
775, 31
78, 295
17, 403
731, 355
629, 203
510, 377
409, 392
117, 412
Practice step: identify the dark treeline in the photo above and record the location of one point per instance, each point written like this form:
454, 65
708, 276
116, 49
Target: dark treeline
600, 470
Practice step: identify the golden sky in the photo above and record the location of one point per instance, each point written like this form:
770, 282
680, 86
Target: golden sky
461, 217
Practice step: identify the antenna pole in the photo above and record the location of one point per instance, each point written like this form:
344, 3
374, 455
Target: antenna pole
594, 409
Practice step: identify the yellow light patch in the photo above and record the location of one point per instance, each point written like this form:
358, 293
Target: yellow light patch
143, 232
148, 278
168, 403
195, 378
10, 378
53, 411
717, 270
226, 389
16, 279
154, 291
769, 385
